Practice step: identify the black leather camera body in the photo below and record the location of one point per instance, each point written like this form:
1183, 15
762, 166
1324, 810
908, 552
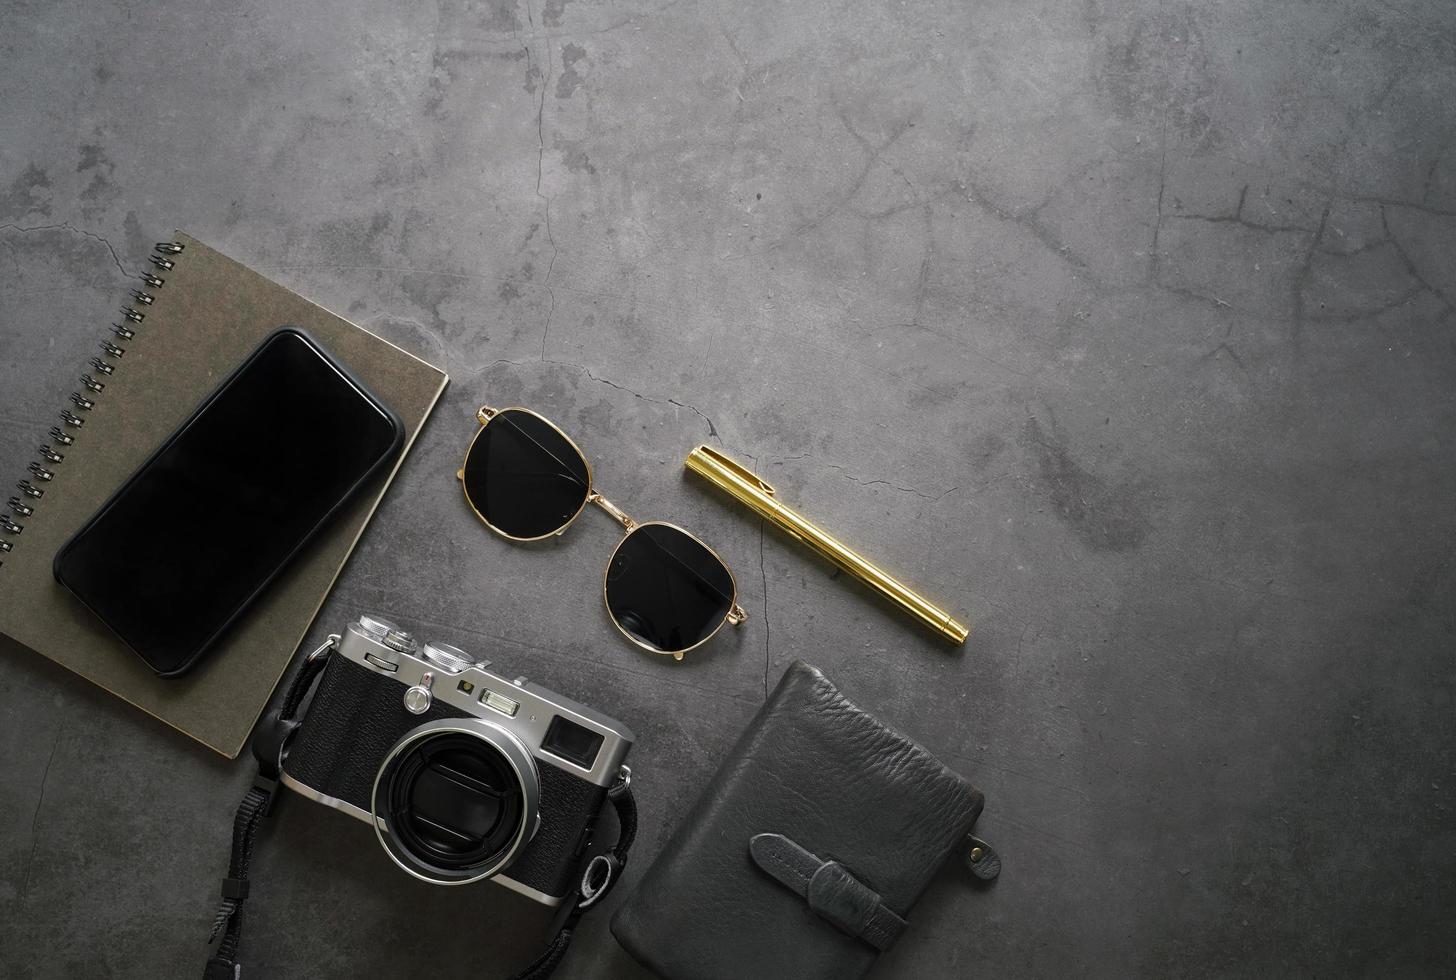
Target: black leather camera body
464, 774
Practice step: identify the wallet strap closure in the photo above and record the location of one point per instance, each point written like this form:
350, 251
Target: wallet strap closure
830, 890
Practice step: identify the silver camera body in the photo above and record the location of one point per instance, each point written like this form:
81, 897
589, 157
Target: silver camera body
464, 774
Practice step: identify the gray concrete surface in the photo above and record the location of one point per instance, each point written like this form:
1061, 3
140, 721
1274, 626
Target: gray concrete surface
1124, 328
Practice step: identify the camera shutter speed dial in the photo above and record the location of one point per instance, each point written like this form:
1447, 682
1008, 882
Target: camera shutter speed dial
417, 699
447, 658
376, 626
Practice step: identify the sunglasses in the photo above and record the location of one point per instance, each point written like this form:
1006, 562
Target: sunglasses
667, 591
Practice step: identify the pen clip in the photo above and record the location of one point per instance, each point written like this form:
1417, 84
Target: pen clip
736, 468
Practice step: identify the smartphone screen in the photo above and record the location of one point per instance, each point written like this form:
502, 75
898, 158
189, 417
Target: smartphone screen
194, 535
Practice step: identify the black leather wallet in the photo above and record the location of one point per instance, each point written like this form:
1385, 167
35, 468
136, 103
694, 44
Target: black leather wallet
805, 854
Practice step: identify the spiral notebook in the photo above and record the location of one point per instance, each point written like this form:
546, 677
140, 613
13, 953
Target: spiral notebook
193, 317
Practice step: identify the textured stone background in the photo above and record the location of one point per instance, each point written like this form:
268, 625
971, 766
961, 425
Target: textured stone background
1125, 328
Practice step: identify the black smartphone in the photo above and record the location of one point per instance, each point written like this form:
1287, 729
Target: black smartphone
222, 506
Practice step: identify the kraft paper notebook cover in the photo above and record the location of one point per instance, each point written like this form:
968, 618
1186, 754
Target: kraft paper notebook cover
207, 316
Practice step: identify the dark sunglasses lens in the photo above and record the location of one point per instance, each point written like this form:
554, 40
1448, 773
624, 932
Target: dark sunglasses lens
666, 589
524, 477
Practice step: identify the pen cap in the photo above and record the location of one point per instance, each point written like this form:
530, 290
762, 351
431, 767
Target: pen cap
730, 476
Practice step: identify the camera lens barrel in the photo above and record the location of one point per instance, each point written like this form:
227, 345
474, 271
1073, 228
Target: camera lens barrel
455, 800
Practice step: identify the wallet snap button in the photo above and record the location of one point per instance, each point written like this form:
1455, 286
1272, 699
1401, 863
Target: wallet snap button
981, 859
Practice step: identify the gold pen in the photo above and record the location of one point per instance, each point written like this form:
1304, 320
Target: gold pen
743, 485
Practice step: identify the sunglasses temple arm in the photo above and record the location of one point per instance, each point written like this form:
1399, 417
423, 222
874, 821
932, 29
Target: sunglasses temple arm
617, 513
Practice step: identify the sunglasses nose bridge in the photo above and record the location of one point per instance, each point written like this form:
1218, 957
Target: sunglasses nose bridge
619, 515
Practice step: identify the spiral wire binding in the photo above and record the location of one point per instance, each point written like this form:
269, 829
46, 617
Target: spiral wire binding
84, 400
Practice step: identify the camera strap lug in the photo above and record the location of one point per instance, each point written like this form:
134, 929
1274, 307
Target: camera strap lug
270, 744
323, 649
598, 878
622, 784
275, 731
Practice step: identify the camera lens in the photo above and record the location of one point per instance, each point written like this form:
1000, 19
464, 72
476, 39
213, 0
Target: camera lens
455, 800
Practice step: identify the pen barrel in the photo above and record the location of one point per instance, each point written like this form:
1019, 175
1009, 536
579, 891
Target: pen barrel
867, 572
751, 491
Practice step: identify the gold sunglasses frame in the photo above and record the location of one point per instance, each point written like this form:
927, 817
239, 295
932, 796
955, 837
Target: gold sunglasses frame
736, 614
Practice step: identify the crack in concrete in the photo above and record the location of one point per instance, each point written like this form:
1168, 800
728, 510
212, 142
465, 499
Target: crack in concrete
763, 578
1408, 262
1304, 270
1367, 247
1196, 296
35, 816
922, 282
1028, 221
872, 156
932, 196
540, 167
1421, 24
67, 226
973, 488
583, 369
1233, 355
712, 429
1302, 274
1235, 219
767, 629
932, 497
1155, 259
1371, 314
1397, 203
843, 471
1431, 172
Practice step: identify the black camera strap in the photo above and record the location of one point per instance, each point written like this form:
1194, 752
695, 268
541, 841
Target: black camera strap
223, 965
268, 747
597, 876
